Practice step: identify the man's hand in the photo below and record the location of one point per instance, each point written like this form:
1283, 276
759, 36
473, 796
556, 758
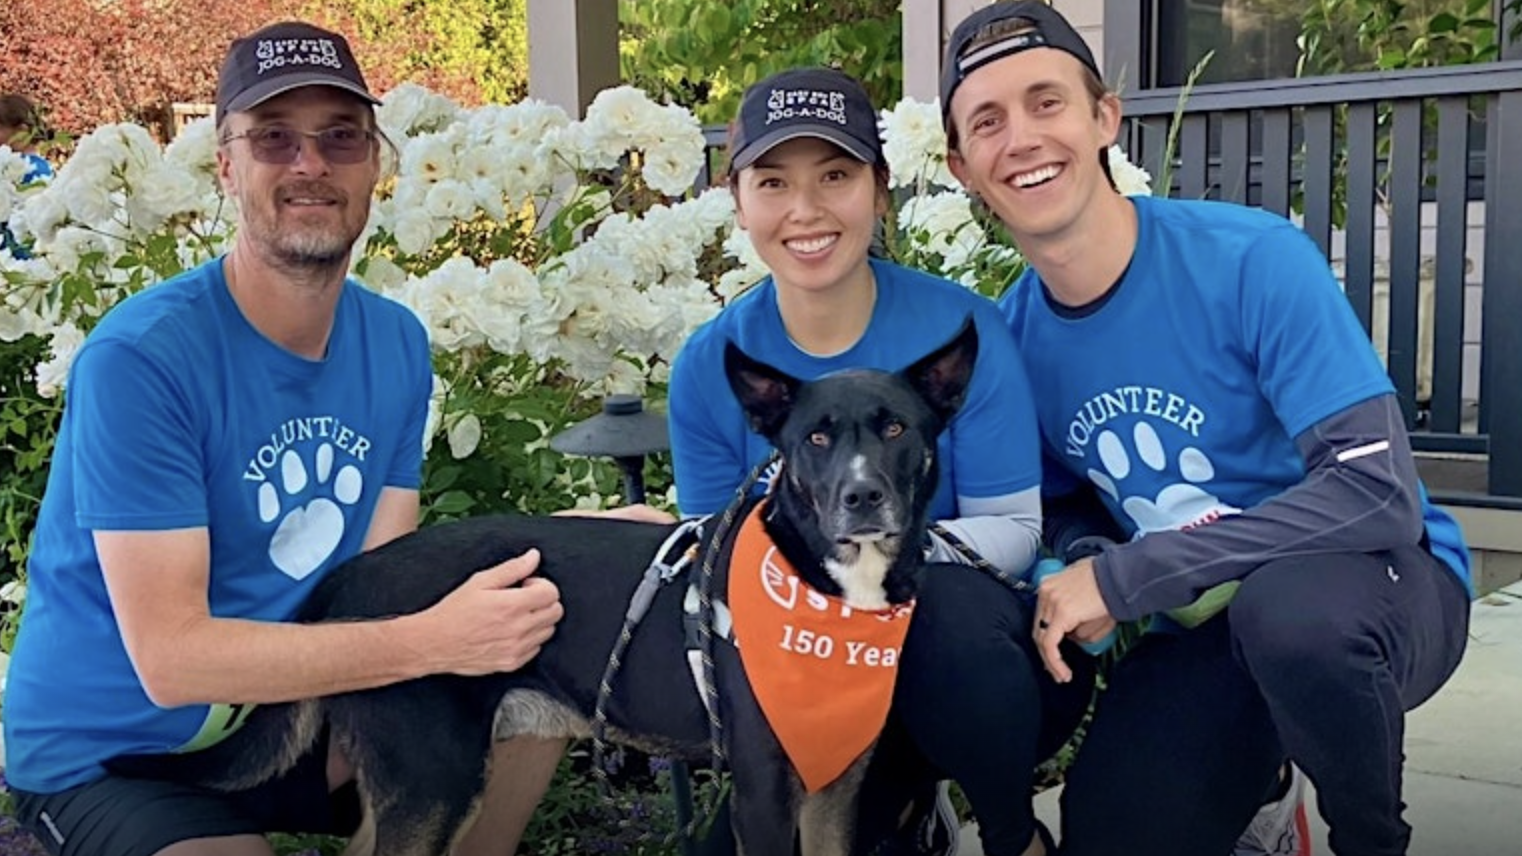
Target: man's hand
639, 513
1068, 602
496, 621
1090, 632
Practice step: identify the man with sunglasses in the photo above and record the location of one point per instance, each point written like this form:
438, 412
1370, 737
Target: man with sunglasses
229, 436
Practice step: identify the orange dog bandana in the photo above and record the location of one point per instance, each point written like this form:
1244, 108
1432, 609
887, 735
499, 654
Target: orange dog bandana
822, 671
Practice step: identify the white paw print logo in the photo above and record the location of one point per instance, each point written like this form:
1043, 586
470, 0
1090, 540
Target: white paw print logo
1180, 505
308, 534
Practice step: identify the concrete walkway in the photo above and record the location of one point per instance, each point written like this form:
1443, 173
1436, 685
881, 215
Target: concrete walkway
1463, 750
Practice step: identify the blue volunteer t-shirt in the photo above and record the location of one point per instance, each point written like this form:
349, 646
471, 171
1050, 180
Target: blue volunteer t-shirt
1181, 396
37, 168
989, 450
181, 415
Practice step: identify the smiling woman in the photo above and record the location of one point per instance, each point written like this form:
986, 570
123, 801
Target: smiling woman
810, 184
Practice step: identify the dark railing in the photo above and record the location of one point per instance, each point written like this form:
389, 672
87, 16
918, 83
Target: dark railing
715, 156
1377, 167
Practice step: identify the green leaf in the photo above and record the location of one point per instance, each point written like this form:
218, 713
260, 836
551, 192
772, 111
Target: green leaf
441, 478
453, 502
720, 22
515, 432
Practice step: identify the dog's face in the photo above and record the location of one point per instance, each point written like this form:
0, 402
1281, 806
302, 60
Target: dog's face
858, 449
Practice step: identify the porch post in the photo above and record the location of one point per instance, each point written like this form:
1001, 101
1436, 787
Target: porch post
1123, 47
927, 24
1501, 336
572, 51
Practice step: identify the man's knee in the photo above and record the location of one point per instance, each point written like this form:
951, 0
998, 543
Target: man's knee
1282, 618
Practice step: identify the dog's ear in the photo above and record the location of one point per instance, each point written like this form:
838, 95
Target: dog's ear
942, 377
766, 394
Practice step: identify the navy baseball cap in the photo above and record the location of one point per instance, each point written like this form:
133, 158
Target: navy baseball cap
979, 40
805, 102
282, 57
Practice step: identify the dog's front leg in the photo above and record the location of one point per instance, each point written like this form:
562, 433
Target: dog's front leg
765, 795
827, 819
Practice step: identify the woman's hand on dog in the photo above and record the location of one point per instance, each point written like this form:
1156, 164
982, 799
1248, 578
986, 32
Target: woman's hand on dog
1068, 602
496, 621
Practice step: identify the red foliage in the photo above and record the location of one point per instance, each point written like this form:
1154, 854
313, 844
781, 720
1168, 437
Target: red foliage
87, 62
90, 62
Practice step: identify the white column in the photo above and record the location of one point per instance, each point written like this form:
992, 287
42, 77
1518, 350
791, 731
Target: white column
572, 51
927, 24
1087, 17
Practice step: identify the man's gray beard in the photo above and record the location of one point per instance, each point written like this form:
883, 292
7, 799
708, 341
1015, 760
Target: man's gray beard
311, 250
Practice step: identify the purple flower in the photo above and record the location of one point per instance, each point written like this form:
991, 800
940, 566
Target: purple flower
14, 841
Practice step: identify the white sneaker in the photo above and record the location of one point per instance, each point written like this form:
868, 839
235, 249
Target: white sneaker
1279, 828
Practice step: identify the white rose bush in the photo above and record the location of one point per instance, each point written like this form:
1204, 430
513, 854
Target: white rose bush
552, 260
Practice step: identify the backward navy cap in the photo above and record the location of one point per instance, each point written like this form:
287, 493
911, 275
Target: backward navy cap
1048, 29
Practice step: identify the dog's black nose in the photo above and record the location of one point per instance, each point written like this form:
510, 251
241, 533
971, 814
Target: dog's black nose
861, 496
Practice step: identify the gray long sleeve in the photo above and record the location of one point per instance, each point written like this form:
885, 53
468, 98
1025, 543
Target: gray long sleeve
1005, 530
1360, 494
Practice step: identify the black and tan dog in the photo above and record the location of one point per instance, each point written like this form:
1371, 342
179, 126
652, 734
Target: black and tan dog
848, 514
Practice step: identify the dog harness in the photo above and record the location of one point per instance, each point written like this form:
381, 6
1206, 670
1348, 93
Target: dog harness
822, 671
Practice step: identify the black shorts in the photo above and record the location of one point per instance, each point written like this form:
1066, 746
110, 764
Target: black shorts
122, 816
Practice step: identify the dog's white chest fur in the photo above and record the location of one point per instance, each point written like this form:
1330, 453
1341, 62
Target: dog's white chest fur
861, 581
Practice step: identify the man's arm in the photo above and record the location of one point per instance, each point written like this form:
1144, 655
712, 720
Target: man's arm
158, 583
396, 514
1359, 495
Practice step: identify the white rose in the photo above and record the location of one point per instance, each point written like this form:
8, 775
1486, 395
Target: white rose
429, 158
52, 374
1130, 179
450, 199
194, 148
464, 436
914, 143
383, 275
411, 109
414, 231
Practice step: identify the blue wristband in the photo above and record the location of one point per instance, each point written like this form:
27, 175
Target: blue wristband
1047, 567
